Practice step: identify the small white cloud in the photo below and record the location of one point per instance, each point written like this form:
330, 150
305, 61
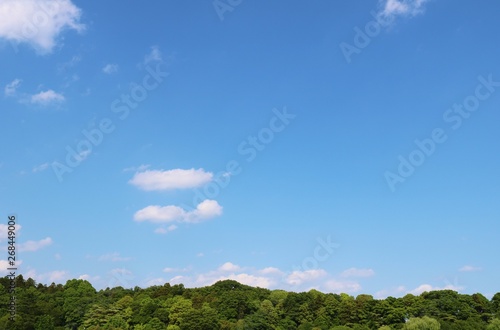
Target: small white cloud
112, 257
382, 294
270, 271
162, 230
393, 8
11, 88
171, 179
468, 268
201, 254
110, 68
46, 98
41, 168
56, 276
154, 56
356, 272
342, 286
32, 246
163, 214
38, 22
229, 267
298, 277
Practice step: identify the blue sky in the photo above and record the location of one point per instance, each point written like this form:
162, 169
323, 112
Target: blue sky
337, 145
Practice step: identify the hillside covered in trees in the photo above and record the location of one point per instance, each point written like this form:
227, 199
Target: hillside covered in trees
231, 305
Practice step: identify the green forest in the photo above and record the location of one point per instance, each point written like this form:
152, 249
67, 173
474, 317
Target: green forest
228, 305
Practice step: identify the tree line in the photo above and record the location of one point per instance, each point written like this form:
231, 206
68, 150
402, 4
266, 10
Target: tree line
229, 305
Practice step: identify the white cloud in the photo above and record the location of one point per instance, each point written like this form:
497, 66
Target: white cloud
270, 270
163, 214
162, 230
171, 179
336, 286
393, 8
154, 56
47, 97
110, 68
356, 272
468, 268
35, 245
229, 267
56, 276
113, 257
11, 88
41, 167
298, 277
38, 22
382, 294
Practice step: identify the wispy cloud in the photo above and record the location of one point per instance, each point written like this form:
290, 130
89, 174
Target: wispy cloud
32, 246
163, 214
41, 167
393, 8
46, 98
172, 179
11, 88
162, 230
38, 22
139, 168
468, 268
110, 68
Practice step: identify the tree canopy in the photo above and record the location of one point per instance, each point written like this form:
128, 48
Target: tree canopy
229, 305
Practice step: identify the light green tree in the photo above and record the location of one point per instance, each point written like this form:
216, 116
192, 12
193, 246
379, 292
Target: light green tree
424, 323
494, 325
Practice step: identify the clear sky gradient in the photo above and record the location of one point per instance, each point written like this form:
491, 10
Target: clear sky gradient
347, 146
